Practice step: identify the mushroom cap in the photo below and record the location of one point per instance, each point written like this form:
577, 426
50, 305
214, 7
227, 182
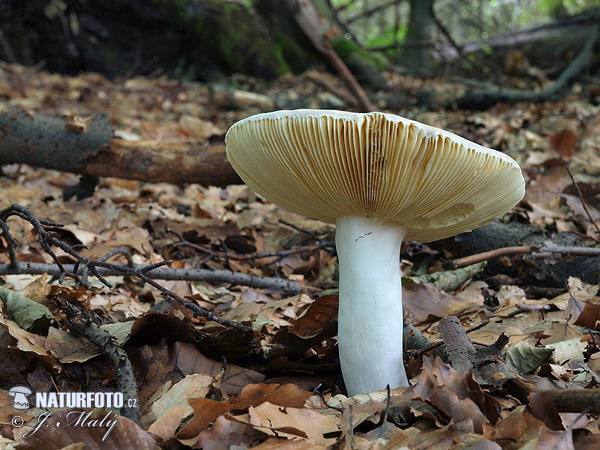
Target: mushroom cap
327, 164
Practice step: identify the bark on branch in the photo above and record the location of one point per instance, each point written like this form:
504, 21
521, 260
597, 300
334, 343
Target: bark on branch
85, 145
209, 276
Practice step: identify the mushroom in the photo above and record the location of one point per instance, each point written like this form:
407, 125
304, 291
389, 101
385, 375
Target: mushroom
381, 179
20, 393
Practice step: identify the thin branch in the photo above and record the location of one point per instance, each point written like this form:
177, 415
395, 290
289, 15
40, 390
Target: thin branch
249, 256
580, 194
369, 12
341, 8
82, 324
46, 240
210, 276
538, 252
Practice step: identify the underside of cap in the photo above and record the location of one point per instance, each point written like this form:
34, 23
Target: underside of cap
328, 164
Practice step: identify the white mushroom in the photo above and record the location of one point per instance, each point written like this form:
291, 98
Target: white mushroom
381, 178
20, 393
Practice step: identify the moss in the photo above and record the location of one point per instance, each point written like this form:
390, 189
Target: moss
346, 48
365, 66
239, 39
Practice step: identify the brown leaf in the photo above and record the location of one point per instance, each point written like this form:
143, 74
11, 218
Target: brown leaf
206, 412
188, 360
426, 302
151, 369
564, 143
255, 394
543, 408
293, 423
589, 317
458, 409
174, 402
319, 313
523, 428
125, 434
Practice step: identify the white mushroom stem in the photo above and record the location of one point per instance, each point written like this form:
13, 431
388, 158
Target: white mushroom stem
370, 314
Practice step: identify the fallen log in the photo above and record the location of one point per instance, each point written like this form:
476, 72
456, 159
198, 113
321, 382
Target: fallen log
85, 145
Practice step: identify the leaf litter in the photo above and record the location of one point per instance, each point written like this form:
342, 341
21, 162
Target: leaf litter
203, 385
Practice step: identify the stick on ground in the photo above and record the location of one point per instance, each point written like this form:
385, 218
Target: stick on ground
126, 382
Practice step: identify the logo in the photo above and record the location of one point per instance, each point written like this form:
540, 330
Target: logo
20, 394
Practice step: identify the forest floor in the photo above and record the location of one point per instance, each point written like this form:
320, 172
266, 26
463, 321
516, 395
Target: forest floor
206, 385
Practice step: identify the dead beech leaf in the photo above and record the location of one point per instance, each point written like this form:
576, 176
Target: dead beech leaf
458, 409
26, 341
543, 408
426, 302
521, 429
166, 425
198, 128
188, 360
319, 313
192, 386
564, 143
448, 438
282, 395
293, 423
206, 412
68, 348
589, 317
126, 433
569, 350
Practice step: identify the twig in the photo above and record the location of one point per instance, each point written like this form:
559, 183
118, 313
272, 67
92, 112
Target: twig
322, 82
317, 390
46, 241
500, 95
319, 30
81, 323
210, 276
458, 346
369, 12
313, 235
247, 256
529, 308
539, 252
361, 97
580, 194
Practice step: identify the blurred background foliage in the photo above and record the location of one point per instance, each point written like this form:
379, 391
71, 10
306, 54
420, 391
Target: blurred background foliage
209, 40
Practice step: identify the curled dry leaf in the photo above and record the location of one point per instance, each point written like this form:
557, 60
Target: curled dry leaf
319, 313
523, 358
590, 316
172, 406
293, 423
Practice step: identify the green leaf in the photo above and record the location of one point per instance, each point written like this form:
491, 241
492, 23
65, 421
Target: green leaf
30, 315
524, 359
449, 280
